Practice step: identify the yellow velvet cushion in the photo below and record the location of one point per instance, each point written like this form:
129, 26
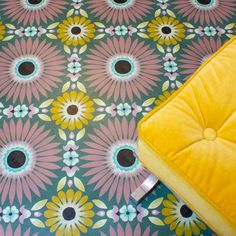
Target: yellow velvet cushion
189, 142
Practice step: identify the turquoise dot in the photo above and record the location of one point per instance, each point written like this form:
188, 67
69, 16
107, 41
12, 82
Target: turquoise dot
15, 159
26, 69
120, 3
204, 3
124, 158
35, 3
123, 67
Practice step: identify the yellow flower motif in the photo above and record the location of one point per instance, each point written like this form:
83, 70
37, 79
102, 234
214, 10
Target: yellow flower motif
2, 30
166, 30
162, 98
180, 217
76, 31
69, 213
72, 110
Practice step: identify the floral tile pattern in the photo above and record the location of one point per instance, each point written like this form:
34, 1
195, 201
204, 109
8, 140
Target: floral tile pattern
75, 78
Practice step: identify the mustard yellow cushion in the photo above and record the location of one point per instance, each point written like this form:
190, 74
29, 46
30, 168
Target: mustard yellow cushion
189, 142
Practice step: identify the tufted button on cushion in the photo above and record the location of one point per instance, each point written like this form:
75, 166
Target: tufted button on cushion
209, 134
189, 141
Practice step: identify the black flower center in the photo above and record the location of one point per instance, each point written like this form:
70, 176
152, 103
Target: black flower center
76, 30
34, 2
16, 159
122, 67
26, 68
166, 30
185, 211
204, 2
120, 1
72, 110
125, 157
68, 213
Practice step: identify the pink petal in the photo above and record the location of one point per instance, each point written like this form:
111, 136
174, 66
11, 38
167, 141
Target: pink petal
19, 129
6, 190
33, 187
17, 231
27, 233
6, 131
9, 230
12, 129
113, 188
107, 185
137, 231
125, 128
128, 229
147, 231
26, 189
118, 128
98, 176
112, 232
119, 190
126, 190
19, 191
120, 231
1, 230
12, 191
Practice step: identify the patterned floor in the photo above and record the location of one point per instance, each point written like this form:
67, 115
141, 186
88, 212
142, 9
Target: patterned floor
75, 78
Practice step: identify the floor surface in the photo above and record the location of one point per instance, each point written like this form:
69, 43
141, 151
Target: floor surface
75, 78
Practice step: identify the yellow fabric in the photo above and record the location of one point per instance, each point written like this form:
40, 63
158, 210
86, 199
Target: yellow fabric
193, 135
